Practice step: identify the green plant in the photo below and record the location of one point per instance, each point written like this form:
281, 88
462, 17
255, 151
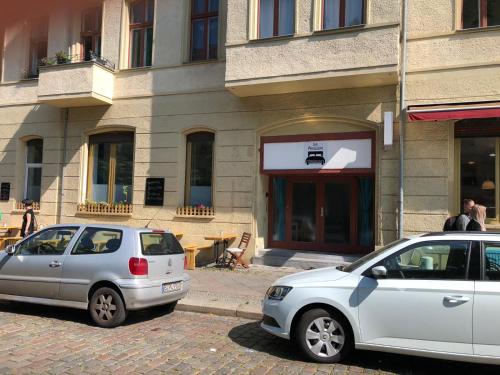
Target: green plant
62, 57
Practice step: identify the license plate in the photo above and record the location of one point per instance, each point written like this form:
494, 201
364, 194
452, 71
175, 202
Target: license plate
171, 287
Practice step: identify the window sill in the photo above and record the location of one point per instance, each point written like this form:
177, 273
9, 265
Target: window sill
196, 213
340, 30
478, 29
193, 217
272, 39
96, 209
97, 214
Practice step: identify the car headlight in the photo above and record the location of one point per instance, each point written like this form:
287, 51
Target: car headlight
278, 292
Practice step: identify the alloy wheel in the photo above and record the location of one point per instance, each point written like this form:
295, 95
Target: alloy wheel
325, 337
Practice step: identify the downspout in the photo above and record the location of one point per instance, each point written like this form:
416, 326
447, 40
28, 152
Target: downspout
402, 117
63, 164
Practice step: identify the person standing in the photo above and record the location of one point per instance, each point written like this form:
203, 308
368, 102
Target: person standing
477, 219
464, 219
29, 220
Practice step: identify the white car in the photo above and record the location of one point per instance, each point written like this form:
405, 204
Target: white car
437, 295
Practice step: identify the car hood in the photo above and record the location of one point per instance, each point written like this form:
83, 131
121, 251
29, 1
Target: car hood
306, 277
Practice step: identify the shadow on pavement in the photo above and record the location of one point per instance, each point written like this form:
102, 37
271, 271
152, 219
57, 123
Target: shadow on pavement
252, 337
75, 315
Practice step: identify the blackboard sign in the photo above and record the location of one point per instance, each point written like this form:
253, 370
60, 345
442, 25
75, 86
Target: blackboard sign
155, 188
4, 191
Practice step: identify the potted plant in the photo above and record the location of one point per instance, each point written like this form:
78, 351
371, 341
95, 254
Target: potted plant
62, 57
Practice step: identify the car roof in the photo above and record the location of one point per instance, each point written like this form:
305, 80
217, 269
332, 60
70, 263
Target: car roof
476, 235
108, 226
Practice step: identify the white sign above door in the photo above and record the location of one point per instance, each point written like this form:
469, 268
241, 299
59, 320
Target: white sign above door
324, 155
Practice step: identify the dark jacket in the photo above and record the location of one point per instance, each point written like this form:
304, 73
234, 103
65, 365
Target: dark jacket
27, 231
474, 226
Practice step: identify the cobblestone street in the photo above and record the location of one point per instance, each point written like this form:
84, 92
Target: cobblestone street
53, 340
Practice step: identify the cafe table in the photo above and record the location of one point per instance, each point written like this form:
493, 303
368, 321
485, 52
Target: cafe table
8, 235
221, 240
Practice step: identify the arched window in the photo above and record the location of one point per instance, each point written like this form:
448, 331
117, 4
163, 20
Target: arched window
199, 169
33, 173
110, 167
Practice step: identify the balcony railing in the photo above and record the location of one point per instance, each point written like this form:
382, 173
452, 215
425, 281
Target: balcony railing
105, 208
196, 211
19, 206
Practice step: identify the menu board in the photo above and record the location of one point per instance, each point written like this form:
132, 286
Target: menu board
4, 191
155, 189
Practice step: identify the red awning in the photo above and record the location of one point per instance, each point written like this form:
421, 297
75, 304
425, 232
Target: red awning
453, 111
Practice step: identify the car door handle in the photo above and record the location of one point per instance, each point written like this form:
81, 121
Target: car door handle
55, 264
456, 299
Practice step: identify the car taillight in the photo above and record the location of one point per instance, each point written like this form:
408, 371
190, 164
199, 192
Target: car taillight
185, 262
138, 266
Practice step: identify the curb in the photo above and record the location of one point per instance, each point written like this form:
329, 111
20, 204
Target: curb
219, 310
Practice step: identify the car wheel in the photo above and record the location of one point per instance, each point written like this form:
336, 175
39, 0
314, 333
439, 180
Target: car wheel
324, 336
107, 308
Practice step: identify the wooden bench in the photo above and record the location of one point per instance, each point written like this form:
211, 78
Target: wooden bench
191, 251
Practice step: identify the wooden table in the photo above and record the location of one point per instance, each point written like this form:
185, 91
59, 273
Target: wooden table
8, 235
223, 240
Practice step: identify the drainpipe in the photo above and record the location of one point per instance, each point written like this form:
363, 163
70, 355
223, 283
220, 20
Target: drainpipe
63, 164
402, 116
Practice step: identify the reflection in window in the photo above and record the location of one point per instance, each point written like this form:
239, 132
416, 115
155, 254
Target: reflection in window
141, 33
204, 29
199, 164
38, 45
34, 157
98, 241
477, 172
48, 242
111, 161
91, 32
480, 13
276, 18
342, 13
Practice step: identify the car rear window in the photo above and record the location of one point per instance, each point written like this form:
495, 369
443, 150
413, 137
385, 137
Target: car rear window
160, 244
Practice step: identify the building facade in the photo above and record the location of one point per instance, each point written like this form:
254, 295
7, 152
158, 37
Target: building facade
237, 116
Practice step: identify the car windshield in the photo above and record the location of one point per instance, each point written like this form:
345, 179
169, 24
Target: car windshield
354, 265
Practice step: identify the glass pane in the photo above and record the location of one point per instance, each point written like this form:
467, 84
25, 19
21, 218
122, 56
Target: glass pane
160, 244
34, 183
198, 42
89, 23
337, 212
470, 14
35, 151
150, 11
213, 37
87, 47
124, 172
493, 12
304, 212
365, 211
213, 5
47, 242
266, 21
437, 261
100, 176
98, 45
492, 261
201, 147
332, 14
286, 17
136, 48
137, 12
353, 12
477, 171
148, 47
199, 6
98, 241
279, 202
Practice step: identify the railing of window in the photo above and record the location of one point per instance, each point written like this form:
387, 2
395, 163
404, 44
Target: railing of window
62, 58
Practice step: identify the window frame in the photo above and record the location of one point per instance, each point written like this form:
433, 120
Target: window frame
97, 229
94, 34
32, 166
342, 14
143, 26
483, 16
276, 19
206, 16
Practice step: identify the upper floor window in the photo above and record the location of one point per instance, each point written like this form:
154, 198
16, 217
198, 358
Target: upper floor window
91, 32
38, 45
33, 173
276, 18
204, 29
342, 13
141, 32
480, 13
199, 165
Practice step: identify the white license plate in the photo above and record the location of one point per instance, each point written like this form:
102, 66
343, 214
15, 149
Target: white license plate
171, 287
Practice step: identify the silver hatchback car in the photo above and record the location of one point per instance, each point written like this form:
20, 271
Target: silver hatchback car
105, 269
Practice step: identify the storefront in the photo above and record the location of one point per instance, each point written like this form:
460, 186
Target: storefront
321, 191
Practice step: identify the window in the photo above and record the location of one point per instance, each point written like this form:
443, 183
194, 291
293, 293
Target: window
445, 260
199, 161
98, 241
160, 244
141, 33
38, 46
276, 18
204, 29
110, 167
33, 172
91, 33
342, 13
480, 13
492, 261
48, 242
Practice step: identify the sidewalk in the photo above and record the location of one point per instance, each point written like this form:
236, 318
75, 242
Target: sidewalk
231, 293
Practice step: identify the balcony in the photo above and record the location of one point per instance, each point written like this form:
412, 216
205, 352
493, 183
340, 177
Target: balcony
76, 84
360, 56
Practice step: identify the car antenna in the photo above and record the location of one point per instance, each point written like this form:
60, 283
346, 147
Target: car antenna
152, 218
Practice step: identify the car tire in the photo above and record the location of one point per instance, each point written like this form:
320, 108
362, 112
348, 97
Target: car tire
106, 308
319, 340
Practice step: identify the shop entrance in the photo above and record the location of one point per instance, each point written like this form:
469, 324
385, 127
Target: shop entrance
321, 213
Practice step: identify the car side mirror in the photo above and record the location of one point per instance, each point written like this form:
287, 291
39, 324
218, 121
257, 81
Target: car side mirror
379, 272
10, 249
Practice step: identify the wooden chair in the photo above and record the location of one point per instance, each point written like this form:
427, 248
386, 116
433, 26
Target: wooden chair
234, 255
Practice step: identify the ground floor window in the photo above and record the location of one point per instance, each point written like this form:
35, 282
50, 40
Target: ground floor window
199, 166
110, 167
33, 173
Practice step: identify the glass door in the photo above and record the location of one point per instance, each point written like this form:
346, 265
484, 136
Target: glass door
304, 208
337, 212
